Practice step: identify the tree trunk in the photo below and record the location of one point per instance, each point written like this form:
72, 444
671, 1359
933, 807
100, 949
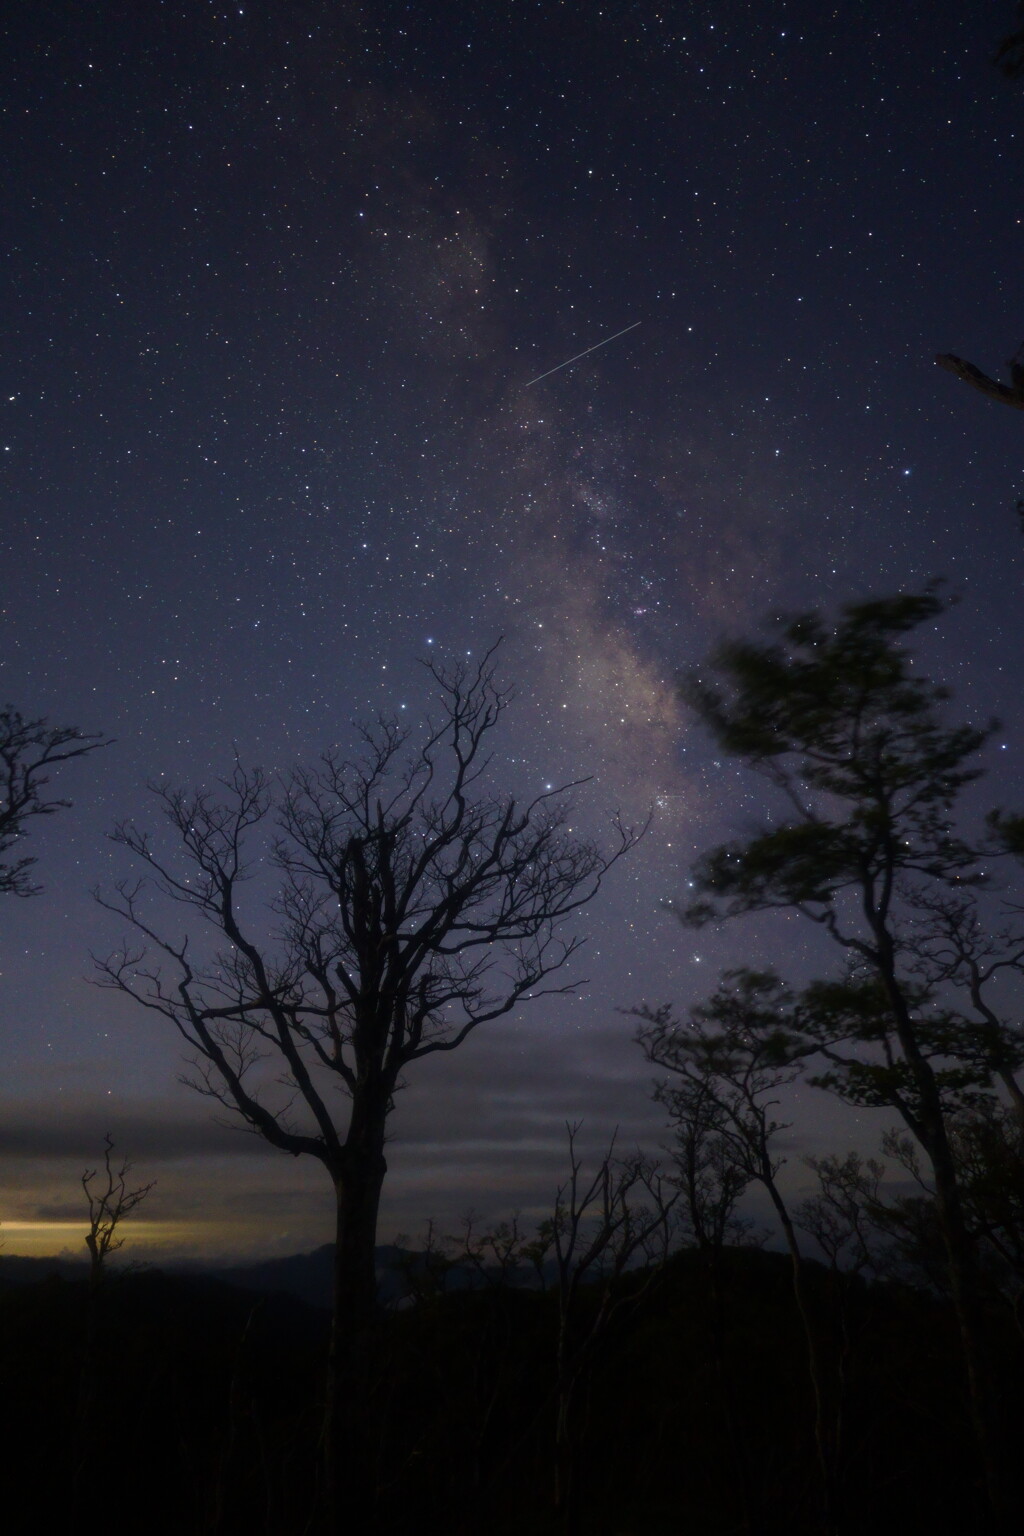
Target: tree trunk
965, 1283
822, 1440
750, 1521
567, 1491
350, 1454
961, 1252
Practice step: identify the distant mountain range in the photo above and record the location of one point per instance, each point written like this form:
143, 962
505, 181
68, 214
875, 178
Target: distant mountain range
401, 1272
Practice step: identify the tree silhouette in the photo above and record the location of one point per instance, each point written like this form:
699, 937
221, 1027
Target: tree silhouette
851, 737
601, 1225
711, 1184
728, 1063
414, 903
110, 1202
28, 750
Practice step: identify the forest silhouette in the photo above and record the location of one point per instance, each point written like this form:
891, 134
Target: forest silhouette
641, 1360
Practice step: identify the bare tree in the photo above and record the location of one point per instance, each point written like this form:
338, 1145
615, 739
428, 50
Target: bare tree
414, 903
735, 1055
711, 1180
28, 750
501, 1254
712, 1183
841, 1217
497, 1260
602, 1225
619, 1218
956, 948
110, 1202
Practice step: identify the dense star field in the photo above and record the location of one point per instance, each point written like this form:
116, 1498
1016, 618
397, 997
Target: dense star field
286, 292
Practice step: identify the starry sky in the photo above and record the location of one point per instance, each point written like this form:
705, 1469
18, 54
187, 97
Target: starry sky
277, 280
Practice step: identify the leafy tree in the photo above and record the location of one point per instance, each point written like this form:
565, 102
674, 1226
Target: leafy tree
414, 904
851, 737
29, 749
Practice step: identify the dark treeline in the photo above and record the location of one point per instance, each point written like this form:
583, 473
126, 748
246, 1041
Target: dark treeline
205, 1416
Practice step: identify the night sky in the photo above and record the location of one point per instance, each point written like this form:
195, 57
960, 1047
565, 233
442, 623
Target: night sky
276, 278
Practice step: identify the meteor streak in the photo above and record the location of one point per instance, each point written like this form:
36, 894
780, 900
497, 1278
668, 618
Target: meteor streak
587, 353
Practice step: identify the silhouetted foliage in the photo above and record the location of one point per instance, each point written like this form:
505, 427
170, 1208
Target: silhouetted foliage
851, 737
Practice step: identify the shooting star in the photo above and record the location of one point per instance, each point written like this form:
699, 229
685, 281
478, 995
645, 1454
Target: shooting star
587, 353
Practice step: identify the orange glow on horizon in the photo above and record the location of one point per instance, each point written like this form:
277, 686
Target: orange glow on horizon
208, 1240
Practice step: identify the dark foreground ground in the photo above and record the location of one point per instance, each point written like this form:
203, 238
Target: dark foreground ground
189, 1404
